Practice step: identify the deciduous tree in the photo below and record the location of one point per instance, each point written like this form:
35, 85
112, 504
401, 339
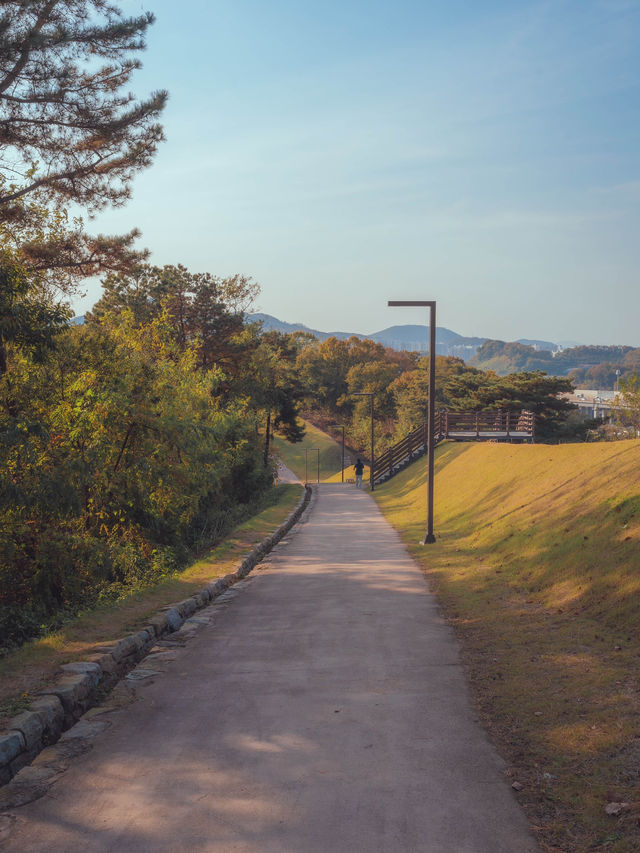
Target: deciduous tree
628, 407
196, 304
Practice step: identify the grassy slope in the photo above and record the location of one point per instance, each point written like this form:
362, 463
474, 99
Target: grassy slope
293, 455
536, 566
26, 670
349, 474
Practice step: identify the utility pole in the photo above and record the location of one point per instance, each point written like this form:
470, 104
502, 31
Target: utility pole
341, 426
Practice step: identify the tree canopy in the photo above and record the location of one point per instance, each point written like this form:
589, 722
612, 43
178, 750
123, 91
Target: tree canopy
587, 366
137, 439
131, 441
333, 370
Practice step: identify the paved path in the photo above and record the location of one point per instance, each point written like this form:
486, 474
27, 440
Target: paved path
286, 475
321, 709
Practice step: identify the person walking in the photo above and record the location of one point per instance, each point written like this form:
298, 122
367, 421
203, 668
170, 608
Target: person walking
359, 469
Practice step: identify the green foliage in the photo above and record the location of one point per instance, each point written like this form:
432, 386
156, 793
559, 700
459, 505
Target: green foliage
71, 130
587, 366
12, 706
538, 393
333, 371
628, 412
323, 370
28, 319
411, 390
124, 450
504, 357
267, 374
509, 357
129, 443
193, 305
594, 355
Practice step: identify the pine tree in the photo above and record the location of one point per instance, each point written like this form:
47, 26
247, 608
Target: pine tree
70, 133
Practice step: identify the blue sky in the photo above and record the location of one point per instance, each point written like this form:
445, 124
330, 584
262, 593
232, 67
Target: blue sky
483, 154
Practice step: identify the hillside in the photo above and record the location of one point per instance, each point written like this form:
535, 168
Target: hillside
536, 568
409, 337
317, 449
588, 366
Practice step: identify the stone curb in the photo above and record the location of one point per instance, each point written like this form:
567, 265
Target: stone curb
82, 683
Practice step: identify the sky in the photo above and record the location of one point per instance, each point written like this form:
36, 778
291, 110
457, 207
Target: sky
485, 155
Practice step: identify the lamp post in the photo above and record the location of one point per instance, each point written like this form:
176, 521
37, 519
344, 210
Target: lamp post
429, 537
371, 395
306, 463
341, 426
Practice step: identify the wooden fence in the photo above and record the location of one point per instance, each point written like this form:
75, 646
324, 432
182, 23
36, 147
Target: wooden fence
496, 425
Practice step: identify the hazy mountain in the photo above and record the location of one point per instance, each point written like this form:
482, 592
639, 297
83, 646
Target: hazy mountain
413, 338
270, 323
538, 344
416, 339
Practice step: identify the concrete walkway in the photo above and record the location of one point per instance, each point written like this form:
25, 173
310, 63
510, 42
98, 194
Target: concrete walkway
320, 709
286, 475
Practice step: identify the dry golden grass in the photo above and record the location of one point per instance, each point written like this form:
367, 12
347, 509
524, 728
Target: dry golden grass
29, 668
537, 567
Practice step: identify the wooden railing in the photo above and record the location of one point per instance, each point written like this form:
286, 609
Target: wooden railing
498, 425
401, 454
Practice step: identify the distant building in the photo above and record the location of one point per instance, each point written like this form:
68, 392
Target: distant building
592, 403
464, 351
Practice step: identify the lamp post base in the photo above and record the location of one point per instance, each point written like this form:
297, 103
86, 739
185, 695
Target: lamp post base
428, 539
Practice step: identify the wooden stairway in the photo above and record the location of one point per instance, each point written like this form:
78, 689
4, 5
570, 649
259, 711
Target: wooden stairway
396, 458
459, 426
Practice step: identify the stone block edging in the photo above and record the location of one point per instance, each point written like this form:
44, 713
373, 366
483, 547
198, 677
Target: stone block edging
82, 683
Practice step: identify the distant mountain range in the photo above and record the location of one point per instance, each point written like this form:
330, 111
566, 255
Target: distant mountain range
411, 338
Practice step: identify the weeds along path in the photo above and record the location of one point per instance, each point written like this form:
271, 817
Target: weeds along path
319, 708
